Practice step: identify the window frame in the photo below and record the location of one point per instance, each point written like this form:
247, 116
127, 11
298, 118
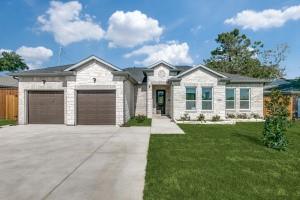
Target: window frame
212, 98
234, 100
191, 100
249, 100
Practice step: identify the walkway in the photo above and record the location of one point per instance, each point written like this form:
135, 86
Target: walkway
164, 125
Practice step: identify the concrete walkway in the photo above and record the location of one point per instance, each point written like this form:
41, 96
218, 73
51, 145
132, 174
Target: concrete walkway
72, 162
164, 125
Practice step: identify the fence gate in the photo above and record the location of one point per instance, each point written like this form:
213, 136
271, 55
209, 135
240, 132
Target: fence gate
11, 107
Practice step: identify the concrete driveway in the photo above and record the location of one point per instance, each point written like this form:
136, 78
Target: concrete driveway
65, 162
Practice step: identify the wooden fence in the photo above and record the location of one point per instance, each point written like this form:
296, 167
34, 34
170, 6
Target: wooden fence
8, 103
291, 106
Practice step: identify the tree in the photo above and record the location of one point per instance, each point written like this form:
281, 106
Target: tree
236, 54
10, 61
277, 121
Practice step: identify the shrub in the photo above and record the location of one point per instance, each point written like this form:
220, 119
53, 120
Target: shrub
231, 115
140, 118
277, 121
185, 117
242, 116
215, 118
255, 116
201, 118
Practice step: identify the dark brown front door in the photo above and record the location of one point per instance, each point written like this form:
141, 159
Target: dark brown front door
96, 107
161, 102
45, 107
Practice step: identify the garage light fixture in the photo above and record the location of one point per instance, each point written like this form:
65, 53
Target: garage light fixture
44, 81
94, 79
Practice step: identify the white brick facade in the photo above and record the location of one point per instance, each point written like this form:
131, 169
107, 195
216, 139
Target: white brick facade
133, 99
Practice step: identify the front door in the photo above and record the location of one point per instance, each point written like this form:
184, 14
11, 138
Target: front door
161, 102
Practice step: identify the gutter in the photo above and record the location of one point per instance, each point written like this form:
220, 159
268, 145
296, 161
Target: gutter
65, 73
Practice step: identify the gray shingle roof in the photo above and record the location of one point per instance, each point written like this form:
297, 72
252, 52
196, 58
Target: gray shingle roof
48, 70
137, 73
8, 81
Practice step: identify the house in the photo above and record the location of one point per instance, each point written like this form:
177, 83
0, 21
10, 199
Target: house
290, 88
94, 91
8, 98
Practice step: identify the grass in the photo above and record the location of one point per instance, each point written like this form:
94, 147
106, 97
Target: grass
222, 162
134, 122
4, 122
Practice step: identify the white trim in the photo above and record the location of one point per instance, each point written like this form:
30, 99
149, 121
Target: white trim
92, 58
212, 98
194, 110
234, 90
245, 109
201, 66
161, 62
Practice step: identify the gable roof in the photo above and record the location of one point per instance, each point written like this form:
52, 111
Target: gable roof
49, 71
90, 58
201, 67
161, 62
8, 82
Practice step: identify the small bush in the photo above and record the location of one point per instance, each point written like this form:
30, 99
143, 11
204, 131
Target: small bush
242, 116
255, 116
277, 122
201, 118
185, 117
140, 118
215, 118
231, 115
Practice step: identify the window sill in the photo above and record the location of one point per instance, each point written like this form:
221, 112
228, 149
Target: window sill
191, 111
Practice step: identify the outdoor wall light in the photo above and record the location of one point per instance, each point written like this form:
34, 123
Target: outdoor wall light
94, 79
44, 81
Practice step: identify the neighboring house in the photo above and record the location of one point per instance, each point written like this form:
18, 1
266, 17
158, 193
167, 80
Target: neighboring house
8, 98
289, 87
94, 91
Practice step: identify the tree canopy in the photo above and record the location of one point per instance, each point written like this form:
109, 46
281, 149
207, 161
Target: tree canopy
236, 54
10, 61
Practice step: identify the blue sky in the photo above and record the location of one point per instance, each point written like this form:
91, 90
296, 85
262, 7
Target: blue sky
136, 33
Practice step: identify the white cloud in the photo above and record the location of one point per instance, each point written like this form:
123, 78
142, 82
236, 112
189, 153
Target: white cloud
68, 25
172, 52
249, 19
34, 56
5, 50
128, 29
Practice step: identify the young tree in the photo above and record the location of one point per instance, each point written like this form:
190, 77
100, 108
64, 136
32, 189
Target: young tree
10, 61
236, 54
277, 121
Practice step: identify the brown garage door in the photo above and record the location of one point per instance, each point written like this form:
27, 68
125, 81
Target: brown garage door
96, 107
45, 107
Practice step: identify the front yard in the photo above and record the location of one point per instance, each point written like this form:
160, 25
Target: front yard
222, 162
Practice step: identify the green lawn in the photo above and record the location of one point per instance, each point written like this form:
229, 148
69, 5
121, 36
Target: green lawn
7, 122
222, 162
135, 122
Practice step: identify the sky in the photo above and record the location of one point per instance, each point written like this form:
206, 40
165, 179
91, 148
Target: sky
141, 32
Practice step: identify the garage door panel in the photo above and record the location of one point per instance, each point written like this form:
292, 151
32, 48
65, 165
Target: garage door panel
96, 107
45, 107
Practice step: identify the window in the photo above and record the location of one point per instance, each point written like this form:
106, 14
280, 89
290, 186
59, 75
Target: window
190, 98
206, 98
245, 98
230, 98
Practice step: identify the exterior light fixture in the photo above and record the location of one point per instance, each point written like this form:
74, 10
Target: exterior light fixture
44, 81
94, 79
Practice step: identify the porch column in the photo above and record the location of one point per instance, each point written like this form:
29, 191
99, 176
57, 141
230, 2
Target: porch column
149, 100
